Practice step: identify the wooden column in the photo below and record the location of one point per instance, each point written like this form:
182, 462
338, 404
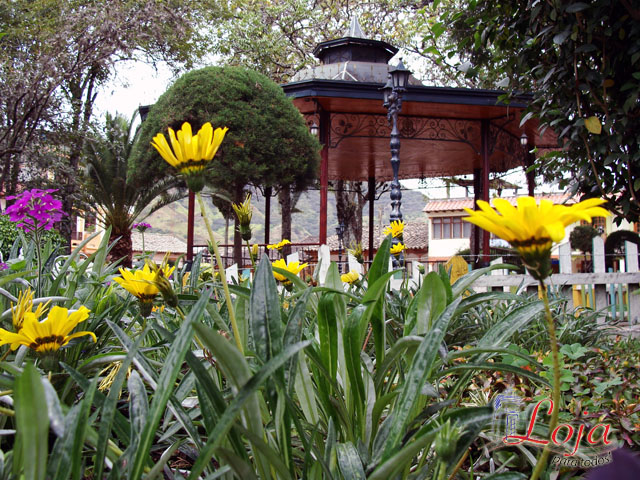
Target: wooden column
475, 231
190, 221
485, 184
324, 175
372, 198
268, 191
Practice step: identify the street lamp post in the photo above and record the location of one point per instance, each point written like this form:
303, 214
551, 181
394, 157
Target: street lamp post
392, 101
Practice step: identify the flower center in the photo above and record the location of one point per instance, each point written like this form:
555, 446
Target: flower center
45, 344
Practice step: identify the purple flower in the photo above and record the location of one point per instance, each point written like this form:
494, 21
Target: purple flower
3, 266
141, 227
35, 209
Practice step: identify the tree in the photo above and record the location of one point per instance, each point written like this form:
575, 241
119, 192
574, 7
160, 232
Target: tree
55, 56
268, 143
119, 195
580, 60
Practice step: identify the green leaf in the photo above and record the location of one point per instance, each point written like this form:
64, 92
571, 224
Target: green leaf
349, 462
503, 367
593, 125
170, 370
419, 371
576, 7
328, 334
431, 302
265, 322
32, 423
234, 408
293, 334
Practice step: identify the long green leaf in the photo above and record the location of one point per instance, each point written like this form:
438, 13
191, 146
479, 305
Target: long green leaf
32, 422
236, 405
419, 371
166, 382
349, 462
293, 334
265, 321
431, 300
328, 334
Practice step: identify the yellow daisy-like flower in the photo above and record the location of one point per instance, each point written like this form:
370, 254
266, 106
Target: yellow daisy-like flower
293, 267
50, 334
278, 246
350, 278
397, 249
25, 305
189, 153
140, 283
395, 229
244, 214
531, 228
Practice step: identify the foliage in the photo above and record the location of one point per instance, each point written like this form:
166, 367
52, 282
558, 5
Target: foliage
268, 143
581, 238
54, 57
580, 61
116, 194
9, 234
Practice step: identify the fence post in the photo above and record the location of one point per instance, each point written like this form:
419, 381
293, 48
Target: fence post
631, 257
354, 264
564, 258
599, 289
324, 258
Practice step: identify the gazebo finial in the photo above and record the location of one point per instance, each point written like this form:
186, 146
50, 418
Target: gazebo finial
355, 30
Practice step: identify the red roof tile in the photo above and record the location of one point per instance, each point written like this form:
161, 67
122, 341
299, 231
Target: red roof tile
459, 204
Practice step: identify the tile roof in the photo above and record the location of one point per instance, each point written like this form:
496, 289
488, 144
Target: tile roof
157, 242
458, 204
416, 236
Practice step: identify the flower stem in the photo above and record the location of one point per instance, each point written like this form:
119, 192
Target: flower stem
223, 277
253, 264
556, 381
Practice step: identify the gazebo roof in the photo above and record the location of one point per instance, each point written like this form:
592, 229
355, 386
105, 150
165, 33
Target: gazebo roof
441, 129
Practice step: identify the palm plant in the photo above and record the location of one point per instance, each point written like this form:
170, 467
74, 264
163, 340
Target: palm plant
120, 194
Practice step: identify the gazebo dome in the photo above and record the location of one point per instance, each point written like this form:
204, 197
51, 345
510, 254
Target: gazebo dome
351, 58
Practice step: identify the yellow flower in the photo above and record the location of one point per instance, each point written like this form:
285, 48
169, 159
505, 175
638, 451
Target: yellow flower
25, 305
531, 228
278, 246
350, 277
50, 334
395, 229
158, 308
356, 251
397, 249
189, 153
293, 267
140, 283
253, 252
244, 213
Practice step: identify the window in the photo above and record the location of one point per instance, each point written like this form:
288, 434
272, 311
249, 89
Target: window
599, 223
450, 227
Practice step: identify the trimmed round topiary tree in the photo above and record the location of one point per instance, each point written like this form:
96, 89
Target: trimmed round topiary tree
268, 143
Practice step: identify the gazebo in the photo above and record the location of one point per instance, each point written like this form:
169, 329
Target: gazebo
444, 131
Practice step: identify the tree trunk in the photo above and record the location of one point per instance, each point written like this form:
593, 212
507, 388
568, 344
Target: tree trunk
350, 202
123, 248
284, 198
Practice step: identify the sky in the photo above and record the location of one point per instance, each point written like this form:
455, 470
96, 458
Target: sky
134, 84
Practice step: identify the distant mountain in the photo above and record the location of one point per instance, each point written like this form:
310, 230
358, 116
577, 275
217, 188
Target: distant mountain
172, 219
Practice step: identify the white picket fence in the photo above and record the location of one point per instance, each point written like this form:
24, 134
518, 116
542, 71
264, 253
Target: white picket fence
617, 293
614, 292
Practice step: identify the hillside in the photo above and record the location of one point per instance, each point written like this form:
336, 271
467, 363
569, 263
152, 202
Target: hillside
172, 219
